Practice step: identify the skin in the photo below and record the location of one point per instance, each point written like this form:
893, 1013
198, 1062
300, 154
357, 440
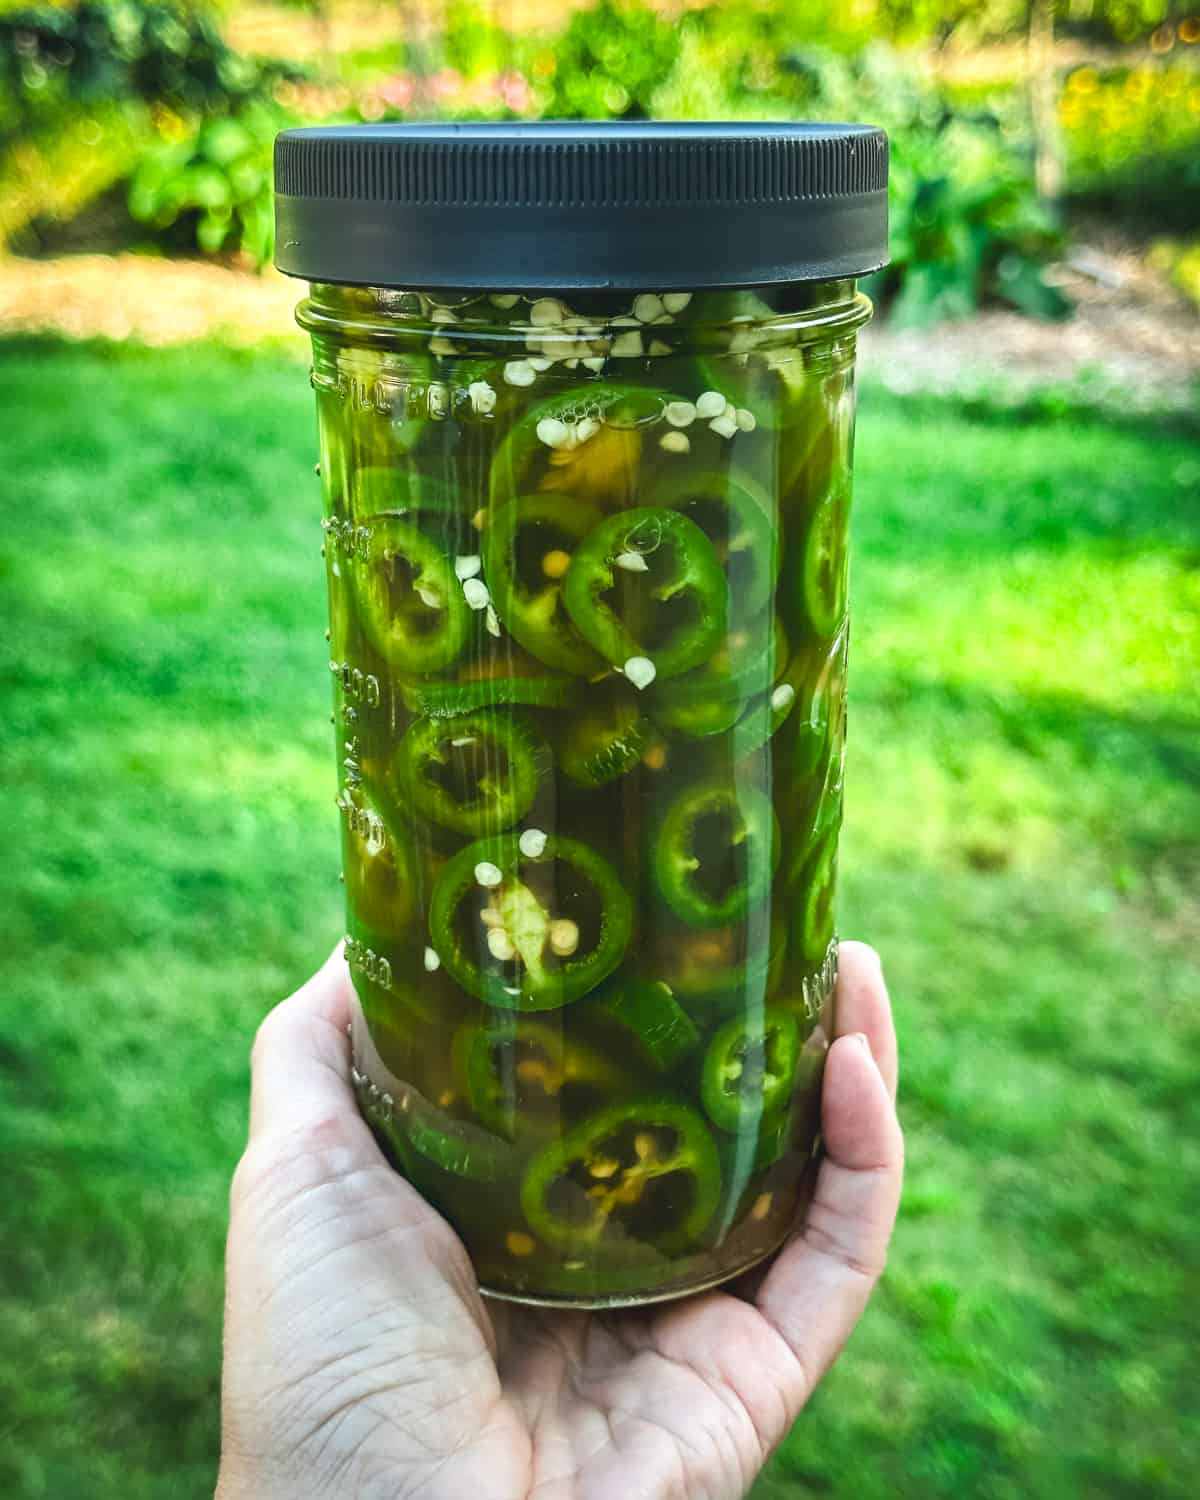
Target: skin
361, 1362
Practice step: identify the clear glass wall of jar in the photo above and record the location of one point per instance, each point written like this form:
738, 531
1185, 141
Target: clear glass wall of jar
587, 564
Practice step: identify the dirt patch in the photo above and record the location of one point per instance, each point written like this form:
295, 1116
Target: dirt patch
1132, 343
137, 296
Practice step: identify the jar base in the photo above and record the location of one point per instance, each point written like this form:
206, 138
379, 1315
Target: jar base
619, 1300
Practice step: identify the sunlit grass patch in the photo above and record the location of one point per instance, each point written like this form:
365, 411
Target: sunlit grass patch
1022, 843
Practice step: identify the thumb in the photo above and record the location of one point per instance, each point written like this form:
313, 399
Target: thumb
815, 1292
300, 1061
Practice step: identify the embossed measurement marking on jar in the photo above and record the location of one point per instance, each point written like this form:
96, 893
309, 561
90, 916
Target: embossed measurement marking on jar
358, 686
347, 538
383, 391
368, 962
364, 822
817, 988
351, 761
406, 400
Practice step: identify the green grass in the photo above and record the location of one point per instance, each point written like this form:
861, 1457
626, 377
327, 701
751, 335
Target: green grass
1023, 843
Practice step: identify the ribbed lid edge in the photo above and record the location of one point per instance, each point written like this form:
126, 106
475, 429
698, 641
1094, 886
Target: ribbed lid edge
564, 205
567, 174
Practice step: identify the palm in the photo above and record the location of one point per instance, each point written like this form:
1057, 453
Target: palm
360, 1358
646, 1402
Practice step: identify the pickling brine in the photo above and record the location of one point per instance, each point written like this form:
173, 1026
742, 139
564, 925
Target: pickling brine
587, 576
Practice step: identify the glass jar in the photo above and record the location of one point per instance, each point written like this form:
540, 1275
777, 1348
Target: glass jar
586, 550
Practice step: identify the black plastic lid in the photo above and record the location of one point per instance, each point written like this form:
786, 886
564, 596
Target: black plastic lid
559, 205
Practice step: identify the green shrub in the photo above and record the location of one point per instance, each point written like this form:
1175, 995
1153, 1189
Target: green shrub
106, 50
214, 188
606, 64
957, 240
1132, 138
86, 90
966, 223
475, 43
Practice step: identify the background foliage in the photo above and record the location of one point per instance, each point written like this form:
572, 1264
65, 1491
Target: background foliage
215, 183
1023, 831
147, 95
90, 93
1133, 140
101, 50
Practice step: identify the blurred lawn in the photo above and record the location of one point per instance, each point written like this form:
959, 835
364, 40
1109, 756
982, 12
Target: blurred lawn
1023, 843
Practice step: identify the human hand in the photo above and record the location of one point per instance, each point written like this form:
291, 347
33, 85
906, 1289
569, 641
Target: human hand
361, 1361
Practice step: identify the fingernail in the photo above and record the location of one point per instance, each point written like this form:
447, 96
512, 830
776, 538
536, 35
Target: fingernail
861, 1038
